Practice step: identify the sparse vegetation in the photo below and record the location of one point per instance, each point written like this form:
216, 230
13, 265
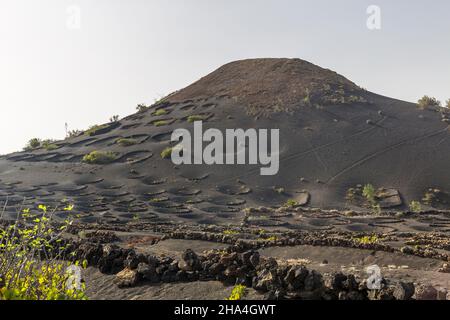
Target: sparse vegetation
126, 142
270, 239
94, 130
230, 232
279, 190
33, 144
160, 123
237, 293
427, 101
160, 112
415, 206
99, 157
367, 239
141, 107
291, 203
195, 118
32, 252
114, 118
37, 143
166, 153
158, 200
74, 133
369, 193
49, 145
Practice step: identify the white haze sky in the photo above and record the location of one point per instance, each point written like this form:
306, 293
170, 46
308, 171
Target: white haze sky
132, 51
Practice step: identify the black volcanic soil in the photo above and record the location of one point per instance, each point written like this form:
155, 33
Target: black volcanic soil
334, 137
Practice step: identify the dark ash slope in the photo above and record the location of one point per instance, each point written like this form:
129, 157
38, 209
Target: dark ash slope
334, 136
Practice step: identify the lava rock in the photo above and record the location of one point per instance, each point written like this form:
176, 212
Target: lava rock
404, 291
190, 261
295, 278
426, 292
126, 278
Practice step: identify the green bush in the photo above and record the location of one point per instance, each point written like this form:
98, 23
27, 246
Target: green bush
126, 142
369, 193
166, 153
37, 143
415, 206
94, 130
427, 101
33, 144
141, 107
160, 123
195, 118
160, 112
74, 133
367, 239
49, 145
31, 260
99, 157
237, 293
291, 203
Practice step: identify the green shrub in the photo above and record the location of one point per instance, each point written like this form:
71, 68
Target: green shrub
166, 153
194, 118
160, 123
291, 203
94, 130
237, 293
36, 143
415, 206
160, 112
427, 101
74, 133
230, 232
33, 144
126, 142
49, 145
31, 260
369, 193
99, 157
141, 107
367, 239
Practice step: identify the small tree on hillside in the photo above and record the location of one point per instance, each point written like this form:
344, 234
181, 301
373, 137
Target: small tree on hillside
427, 101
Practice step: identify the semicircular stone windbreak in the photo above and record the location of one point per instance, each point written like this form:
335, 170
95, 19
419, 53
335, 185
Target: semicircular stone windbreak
188, 107
162, 137
234, 190
134, 157
152, 180
184, 191
80, 143
226, 201
105, 141
194, 175
161, 122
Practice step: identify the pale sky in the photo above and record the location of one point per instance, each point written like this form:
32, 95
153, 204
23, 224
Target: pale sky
127, 52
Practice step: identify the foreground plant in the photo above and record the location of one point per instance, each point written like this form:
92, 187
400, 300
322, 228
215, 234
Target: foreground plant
33, 260
238, 293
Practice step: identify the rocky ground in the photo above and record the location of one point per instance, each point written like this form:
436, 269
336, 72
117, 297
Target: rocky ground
144, 261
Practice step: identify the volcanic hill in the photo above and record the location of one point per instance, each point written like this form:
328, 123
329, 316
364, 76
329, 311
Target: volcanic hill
335, 137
